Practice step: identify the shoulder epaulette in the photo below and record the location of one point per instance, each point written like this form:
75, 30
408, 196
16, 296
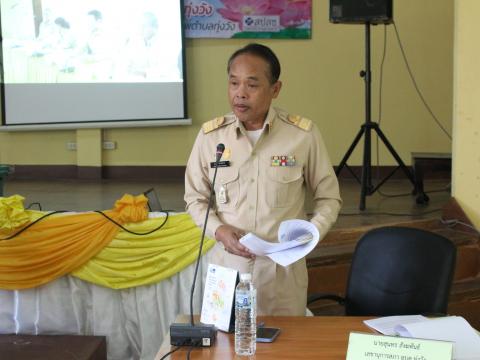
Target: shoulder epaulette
301, 122
213, 124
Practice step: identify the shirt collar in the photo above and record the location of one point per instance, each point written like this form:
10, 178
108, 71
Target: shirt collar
272, 114
269, 120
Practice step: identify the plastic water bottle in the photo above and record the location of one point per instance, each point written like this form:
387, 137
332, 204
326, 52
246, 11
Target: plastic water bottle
245, 316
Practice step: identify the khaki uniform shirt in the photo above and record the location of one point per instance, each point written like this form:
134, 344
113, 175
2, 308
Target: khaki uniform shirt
257, 192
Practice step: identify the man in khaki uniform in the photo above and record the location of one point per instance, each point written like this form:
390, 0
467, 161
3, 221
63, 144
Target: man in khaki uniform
273, 157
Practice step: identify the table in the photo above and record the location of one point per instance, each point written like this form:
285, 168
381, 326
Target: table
47, 347
133, 320
317, 337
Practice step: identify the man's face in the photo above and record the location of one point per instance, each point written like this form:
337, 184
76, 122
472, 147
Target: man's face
250, 91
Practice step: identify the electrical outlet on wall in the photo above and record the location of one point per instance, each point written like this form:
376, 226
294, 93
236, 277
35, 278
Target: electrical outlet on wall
109, 145
71, 145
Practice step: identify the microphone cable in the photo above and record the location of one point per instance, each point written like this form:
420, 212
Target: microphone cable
96, 211
170, 353
133, 232
33, 223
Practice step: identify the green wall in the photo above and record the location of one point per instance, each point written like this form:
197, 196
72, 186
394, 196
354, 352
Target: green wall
321, 82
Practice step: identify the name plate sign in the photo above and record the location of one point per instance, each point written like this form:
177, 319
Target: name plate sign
218, 297
379, 347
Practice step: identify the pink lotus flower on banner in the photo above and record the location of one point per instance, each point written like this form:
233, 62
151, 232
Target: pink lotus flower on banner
292, 13
295, 12
235, 10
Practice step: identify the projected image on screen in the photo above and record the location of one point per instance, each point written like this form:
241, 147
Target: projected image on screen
91, 60
94, 40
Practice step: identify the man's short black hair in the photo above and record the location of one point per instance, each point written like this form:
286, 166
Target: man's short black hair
263, 52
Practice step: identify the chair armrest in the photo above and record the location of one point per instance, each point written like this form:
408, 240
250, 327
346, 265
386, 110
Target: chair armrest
325, 296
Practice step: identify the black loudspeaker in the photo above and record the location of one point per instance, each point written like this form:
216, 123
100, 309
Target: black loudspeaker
361, 11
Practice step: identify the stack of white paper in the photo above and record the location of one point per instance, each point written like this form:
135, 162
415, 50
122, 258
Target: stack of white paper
296, 239
388, 325
451, 328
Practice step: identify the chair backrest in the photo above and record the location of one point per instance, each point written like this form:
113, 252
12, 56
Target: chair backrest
400, 271
153, 203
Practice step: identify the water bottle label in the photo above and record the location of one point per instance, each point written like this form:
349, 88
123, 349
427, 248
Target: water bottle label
243, 300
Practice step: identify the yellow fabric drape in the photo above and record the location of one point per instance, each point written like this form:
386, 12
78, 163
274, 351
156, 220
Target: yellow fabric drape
62, 243
12, 214
131, 260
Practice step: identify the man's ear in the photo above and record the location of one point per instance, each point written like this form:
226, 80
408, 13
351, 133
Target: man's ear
276, 89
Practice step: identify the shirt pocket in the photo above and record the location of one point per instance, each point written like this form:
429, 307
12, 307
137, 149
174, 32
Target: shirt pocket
228, 179
285, 185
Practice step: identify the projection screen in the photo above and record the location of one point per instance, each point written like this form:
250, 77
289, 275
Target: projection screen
80, 61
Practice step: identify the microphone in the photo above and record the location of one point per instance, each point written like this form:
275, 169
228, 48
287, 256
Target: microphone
191, 334
219, 153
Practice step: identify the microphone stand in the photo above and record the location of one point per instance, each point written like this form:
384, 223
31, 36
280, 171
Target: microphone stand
212, 191
190, 334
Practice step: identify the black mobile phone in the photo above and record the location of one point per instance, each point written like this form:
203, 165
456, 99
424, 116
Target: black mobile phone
267, 334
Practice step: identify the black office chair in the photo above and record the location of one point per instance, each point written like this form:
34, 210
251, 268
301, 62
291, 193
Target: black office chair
398, 271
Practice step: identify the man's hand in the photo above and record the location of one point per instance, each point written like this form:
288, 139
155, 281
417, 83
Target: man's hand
229, 235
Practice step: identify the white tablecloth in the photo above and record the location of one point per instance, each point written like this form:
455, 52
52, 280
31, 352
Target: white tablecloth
134, 320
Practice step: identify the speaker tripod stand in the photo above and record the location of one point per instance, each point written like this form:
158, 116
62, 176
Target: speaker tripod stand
367, 188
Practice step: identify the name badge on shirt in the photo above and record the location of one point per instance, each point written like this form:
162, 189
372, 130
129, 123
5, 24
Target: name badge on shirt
222, 195
283, 160
220, 164
224, 160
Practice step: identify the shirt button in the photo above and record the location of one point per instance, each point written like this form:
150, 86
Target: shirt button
251, 207
252, 180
